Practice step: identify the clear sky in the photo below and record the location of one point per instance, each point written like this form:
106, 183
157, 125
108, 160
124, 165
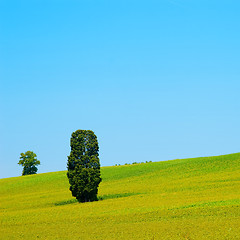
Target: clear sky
155, 79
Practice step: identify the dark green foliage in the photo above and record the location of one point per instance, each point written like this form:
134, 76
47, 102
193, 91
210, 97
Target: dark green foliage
83, 166
29, 162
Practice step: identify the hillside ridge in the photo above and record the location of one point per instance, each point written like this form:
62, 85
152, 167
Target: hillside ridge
195, 197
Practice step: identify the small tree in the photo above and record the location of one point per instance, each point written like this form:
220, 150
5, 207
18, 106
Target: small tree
29, 162
83, 166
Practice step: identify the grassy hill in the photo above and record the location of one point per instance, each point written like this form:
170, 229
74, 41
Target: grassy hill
195, 198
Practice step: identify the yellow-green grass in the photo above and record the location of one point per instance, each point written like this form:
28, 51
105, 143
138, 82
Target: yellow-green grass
195, 198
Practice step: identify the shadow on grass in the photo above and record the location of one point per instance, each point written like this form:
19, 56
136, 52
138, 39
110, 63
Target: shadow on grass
118, 195
74, 200
100, 198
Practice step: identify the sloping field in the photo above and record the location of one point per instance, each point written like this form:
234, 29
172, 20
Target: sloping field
181, 199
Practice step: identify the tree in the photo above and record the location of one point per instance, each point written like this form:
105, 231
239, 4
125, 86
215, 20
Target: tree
29, 162
83, 166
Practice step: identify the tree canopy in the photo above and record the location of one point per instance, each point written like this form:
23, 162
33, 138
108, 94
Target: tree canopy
84, 166
29, 162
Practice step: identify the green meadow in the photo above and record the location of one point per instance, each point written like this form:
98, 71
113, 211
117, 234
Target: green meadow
196, 198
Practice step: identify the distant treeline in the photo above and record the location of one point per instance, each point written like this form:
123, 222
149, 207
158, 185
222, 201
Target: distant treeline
132, 163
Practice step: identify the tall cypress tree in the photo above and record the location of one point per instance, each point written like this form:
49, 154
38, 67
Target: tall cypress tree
83, 166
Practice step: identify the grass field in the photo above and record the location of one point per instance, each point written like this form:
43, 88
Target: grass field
180, 199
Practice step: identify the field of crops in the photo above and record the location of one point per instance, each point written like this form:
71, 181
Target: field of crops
181, 199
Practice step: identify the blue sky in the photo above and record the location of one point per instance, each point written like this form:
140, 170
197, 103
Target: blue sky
155, 80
